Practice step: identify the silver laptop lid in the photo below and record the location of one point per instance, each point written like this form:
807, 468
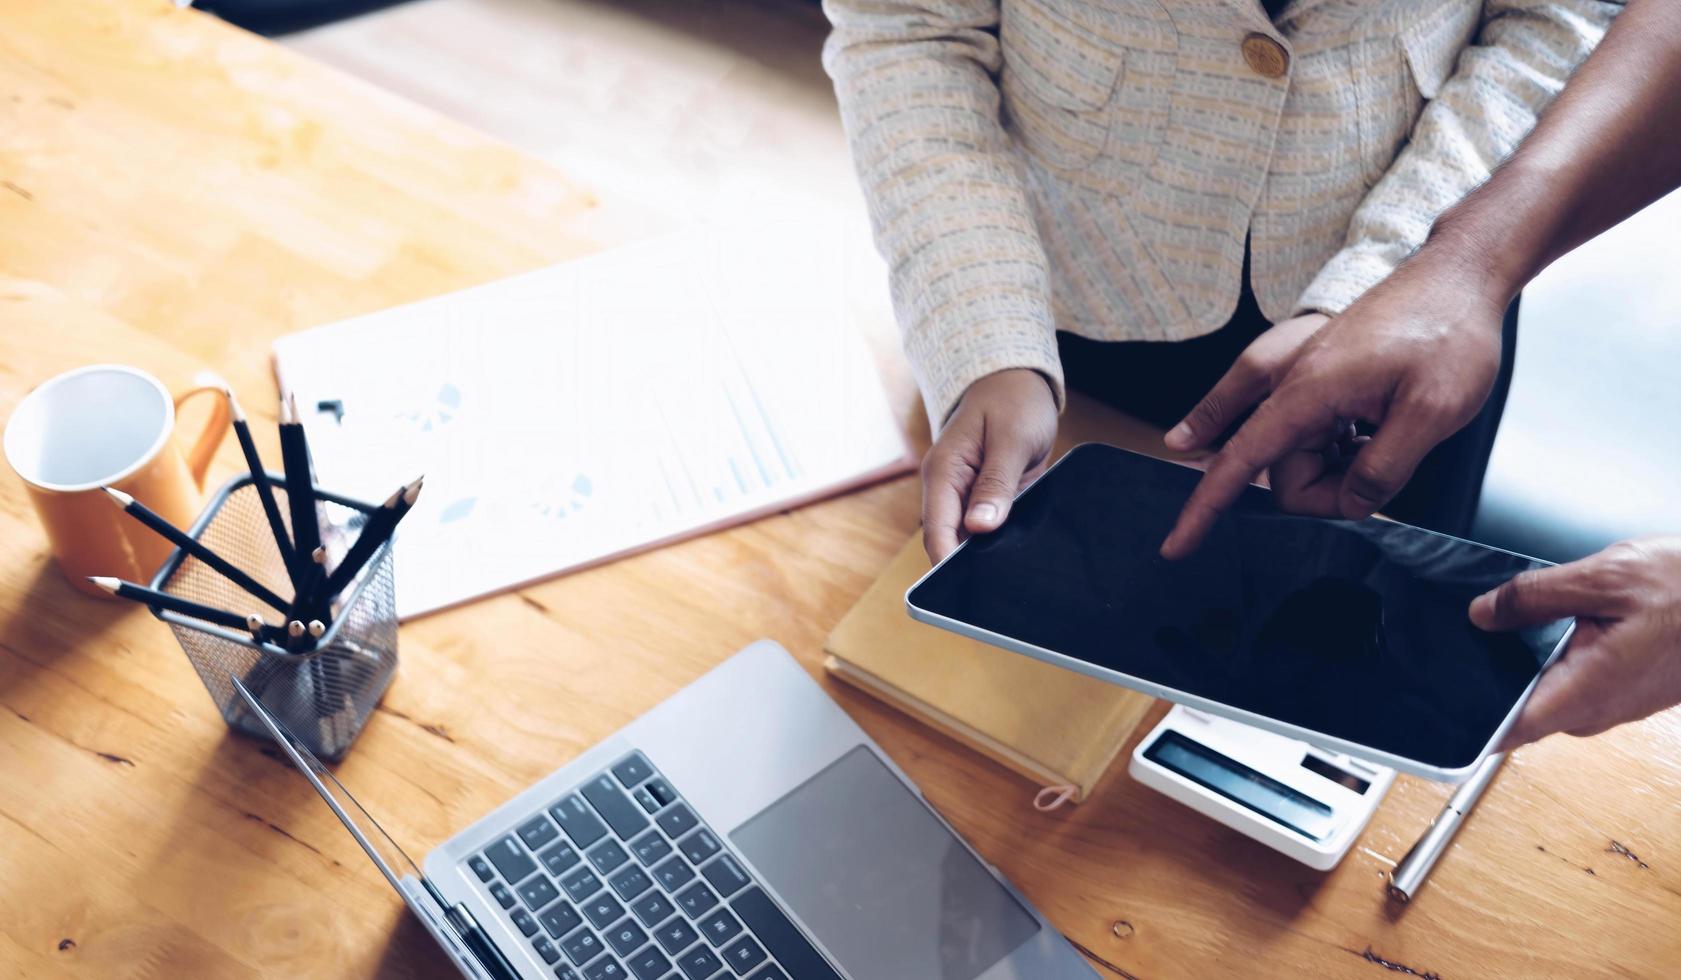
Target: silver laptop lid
391, 860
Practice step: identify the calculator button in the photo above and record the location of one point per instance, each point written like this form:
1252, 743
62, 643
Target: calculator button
545, 949
699, 846
527, 925
650, 848
559, 859
580, 884
630, 882
481, 867
625, 937
510, 859
579, 821
538, 832
537, 893
744, 954
784, 940
677, 821
720, 927
581, 946
676, 936
696, 900
653, 907
699, 963
603, 909
673, 873
503, 896
625, 817
633, 770
560, 919
726, 876
650, 964
607, 856
605, 968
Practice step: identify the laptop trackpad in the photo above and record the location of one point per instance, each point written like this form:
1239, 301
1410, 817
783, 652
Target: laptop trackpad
879, 880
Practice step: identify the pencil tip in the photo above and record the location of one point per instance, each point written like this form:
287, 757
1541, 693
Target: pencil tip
253, 622
105, 582
399, 494
319, 555
234, 407
317, 628
121, 499
411, 493
294, 629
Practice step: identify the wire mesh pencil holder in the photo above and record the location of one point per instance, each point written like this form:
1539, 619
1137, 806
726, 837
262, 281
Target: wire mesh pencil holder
323, 696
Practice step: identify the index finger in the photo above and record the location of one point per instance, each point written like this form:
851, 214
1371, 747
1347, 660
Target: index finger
1282, 423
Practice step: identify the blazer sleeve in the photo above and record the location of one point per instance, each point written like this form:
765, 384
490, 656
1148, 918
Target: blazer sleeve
1522, 56
917, 86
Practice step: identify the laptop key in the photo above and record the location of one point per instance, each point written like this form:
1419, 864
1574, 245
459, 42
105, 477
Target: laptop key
625, 817
676, 936
503, 896
726, 875
633, 770
699, 846
699, 963
781, 937
565, 972
771, 972
647, 799
560, 919
538, 892
696, 900
481, 867
607, 856
653, 907
605, 968
578, 820
661, 791
673, 873
677, 821
720, 927
510, 860
630, 882
603, 909
650, 848
744, 954
559, 859
650, 964
581, 946
580, 884
545, 949
625, 937
525, 923
538, 832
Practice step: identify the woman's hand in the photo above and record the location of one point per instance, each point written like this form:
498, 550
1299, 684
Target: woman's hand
1624, 660
997, 441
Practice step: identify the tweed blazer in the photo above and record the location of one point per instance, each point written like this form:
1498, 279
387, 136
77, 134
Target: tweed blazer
1096, 165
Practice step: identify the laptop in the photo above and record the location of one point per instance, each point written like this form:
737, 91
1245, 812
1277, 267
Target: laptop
744, 828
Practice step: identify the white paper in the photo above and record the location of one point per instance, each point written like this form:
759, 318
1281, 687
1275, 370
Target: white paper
597, 407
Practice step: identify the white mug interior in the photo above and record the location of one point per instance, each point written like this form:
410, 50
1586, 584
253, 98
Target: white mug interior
89, 427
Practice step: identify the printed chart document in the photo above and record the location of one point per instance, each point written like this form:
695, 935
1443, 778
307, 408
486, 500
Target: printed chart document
594, 408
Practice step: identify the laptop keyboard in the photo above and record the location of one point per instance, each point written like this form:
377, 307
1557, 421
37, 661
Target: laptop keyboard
619, 880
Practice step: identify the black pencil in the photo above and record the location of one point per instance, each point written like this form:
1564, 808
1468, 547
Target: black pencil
378, 529
194, 547
173, 603
300, 500
265, 493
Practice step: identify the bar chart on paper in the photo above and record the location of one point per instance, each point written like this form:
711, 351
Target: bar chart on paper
597, 407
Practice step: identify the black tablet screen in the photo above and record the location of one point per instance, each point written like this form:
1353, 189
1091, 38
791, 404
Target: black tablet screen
1358, 631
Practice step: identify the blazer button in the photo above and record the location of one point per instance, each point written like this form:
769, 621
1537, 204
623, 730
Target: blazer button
1265, 56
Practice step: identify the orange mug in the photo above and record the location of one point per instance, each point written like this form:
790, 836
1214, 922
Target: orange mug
110, 425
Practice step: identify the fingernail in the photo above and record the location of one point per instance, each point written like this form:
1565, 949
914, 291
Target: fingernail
985, 513
1179, 437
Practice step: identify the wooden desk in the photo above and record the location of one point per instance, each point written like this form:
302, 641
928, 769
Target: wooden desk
174, 194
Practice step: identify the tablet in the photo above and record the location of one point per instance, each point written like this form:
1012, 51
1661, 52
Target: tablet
1353, 636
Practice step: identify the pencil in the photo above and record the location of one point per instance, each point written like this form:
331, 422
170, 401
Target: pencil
300, 500
374, 533
194, 547
265, 493
173, 603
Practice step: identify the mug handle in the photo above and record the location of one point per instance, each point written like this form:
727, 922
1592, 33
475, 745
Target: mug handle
215, 429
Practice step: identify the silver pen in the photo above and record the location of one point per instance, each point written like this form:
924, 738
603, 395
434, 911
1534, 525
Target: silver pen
1408, 876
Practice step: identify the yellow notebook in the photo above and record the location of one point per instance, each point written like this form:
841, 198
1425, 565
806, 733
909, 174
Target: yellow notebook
1056, 727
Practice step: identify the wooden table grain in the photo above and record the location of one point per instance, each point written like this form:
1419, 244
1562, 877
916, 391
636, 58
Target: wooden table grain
174, 194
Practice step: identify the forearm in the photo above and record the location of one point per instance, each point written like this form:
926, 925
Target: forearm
1606, 148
